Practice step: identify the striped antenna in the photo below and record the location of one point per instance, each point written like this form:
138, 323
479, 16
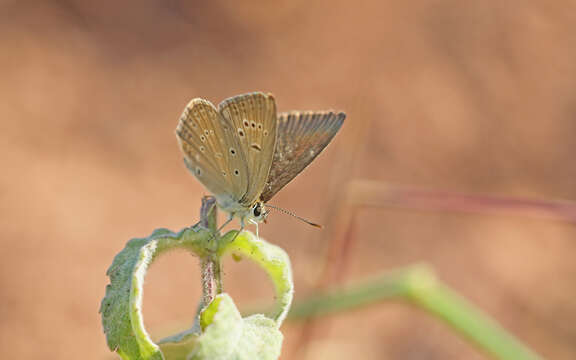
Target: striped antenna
294, 215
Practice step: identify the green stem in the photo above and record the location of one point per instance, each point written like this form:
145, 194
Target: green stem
392, 285
419, 286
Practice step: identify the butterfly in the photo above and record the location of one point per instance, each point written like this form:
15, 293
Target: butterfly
244, 152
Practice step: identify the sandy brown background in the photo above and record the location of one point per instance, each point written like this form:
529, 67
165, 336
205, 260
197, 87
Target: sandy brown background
470, 96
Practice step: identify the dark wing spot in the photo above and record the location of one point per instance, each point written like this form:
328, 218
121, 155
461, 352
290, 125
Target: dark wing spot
198, 171
259, 126
202, 138
265, 132
246, 124
253, 124
202, 148
240, 132
232, 151
236, 172
206, 132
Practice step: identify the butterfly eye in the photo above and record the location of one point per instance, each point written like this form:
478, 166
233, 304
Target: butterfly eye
257, 210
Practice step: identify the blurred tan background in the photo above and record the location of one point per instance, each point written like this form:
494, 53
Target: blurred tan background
470, 96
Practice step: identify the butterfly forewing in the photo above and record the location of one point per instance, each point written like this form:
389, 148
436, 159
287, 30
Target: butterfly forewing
301, 137
212, 151
253, 117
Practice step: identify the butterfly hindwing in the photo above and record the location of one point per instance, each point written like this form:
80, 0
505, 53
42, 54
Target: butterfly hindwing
253, 117
301, 137
211, 150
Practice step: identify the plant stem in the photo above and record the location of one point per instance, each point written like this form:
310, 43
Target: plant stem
209, 263
419, 286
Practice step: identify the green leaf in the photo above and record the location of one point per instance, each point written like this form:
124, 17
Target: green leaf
121, 308
227, 336
271, 259
221, 332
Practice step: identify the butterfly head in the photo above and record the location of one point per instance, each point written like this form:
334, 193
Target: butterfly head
258, 212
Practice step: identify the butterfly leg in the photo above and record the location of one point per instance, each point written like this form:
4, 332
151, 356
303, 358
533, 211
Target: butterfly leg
217, 233
230, 218
241, 229
256, 224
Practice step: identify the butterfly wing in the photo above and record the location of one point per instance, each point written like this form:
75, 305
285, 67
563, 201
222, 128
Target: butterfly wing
253, 117
212, 151
301, 137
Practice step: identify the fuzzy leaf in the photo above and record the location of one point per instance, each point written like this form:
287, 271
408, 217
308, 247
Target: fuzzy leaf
227, 336
271, 259
121, 308
221, 333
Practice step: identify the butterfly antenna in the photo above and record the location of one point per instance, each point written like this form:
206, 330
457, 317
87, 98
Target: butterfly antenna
294, 215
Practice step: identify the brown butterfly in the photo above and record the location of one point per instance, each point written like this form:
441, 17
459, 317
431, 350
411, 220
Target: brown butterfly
244, 152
